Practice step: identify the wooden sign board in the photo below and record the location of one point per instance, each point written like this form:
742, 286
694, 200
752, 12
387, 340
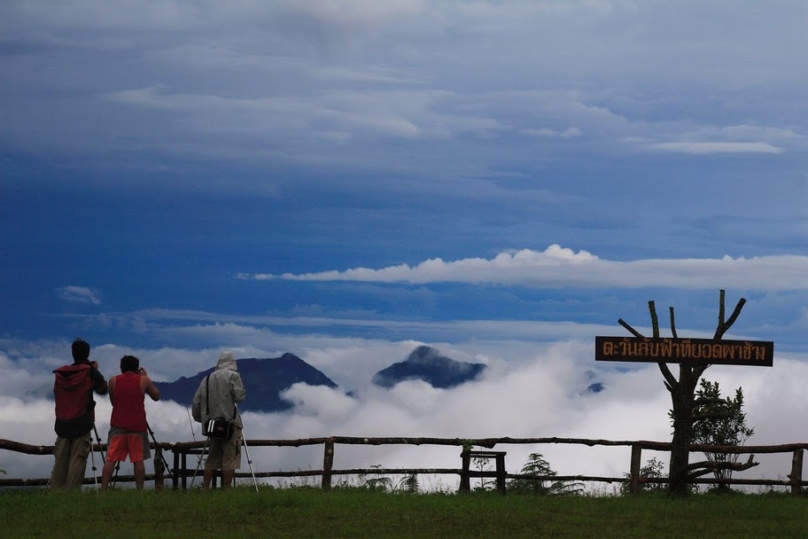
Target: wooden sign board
696, 351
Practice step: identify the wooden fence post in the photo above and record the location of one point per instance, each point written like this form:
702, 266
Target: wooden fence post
796, 472
636, 459
175, 480
465, 483
500, 462
328, 463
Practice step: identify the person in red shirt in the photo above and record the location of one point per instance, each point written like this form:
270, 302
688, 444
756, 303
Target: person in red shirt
128, 432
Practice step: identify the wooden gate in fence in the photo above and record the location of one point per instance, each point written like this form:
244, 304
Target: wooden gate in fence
180, 472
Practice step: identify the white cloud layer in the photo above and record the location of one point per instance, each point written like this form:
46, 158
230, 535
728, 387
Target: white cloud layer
557, 266
541, 394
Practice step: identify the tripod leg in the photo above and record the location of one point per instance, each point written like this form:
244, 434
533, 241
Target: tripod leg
159, 453
98, 441
92, 460
249, 460
199, 463
115, 477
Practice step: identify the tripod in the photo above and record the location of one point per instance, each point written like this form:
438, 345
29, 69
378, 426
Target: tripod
92, 454
199, 461
246, 452
160, 464
249, 460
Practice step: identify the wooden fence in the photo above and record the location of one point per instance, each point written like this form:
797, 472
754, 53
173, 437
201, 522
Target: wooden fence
180, 471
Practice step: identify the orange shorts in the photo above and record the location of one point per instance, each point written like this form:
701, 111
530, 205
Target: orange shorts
123, 445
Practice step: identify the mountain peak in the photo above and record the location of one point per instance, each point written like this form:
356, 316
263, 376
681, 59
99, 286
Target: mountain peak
264, 379
427, 364
424, 354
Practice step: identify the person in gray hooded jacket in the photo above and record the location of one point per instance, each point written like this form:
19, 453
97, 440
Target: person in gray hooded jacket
217, 396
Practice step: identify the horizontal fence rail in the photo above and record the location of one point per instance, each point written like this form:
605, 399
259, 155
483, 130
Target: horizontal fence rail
180, 471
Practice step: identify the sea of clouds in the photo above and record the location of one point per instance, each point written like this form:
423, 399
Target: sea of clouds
530, 390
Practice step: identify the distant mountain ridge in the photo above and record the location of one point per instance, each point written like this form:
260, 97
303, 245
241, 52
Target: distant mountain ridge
264, 380
427, 364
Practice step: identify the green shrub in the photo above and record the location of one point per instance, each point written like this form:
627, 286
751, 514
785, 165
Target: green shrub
538, 466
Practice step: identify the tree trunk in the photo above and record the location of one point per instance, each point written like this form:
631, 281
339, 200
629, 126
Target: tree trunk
682, 399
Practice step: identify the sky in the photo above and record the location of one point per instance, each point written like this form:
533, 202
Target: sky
346, 180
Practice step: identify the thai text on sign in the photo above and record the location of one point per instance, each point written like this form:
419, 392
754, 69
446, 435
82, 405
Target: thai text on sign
669, 350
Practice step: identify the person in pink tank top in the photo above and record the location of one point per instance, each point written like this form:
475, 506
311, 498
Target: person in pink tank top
128, 429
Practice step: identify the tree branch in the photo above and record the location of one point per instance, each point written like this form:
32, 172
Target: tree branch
673, 323
654, 319
704, 467
670, 379
735, 314
723, 326
698, 370
630, 329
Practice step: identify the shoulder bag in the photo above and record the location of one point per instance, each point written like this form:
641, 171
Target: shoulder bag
219, 427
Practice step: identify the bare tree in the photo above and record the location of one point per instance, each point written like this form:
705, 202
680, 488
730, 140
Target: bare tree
682, 391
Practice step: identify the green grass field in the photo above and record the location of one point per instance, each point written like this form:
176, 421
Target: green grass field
357, 512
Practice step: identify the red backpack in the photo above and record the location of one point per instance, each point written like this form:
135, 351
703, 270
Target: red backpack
73, 390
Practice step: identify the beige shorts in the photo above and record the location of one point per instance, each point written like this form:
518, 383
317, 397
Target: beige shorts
224, 454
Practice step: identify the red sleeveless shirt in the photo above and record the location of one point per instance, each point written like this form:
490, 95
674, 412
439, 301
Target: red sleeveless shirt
128, 410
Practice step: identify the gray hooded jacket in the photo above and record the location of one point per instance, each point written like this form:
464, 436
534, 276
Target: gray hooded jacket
226, 389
